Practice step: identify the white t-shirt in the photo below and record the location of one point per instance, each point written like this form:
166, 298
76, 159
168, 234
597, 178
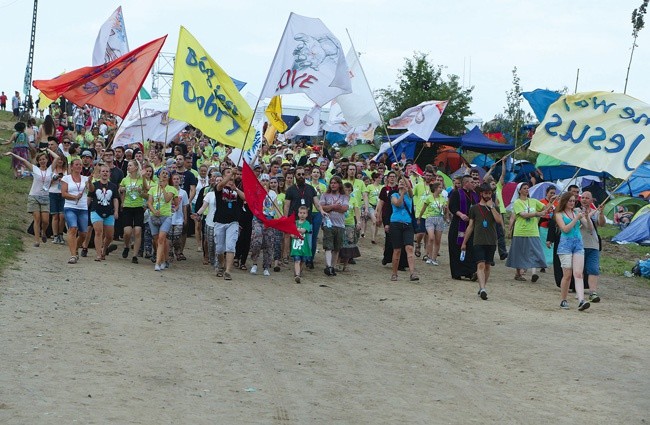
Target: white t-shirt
177, 216
42, 181
212, 207
75, 189
55, 186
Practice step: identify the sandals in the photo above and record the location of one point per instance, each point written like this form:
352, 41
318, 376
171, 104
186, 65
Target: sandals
98, 258
243, 267
220, 272
180, 257
414, 278
418, 251
425, 258
393, 278
235, 263
73, 260
520, 278
226, 276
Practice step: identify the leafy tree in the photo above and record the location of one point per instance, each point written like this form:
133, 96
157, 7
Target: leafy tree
637, 25
420, 80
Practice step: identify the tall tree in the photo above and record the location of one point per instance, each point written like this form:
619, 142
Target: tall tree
420, 80
637, 25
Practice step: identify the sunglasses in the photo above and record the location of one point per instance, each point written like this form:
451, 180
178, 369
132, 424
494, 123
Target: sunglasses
300, 174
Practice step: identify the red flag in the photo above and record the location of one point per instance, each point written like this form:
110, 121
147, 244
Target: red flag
255, 194
112, 86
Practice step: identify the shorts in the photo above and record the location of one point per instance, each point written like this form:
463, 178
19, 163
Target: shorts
437, 224
133, 216
56, 203
333, 238
225, 237
484, 253
159, 224
76, 218
401, 234
566, 260
420, 227
570, 246
301, 258
106, 221
592, 261
40, 203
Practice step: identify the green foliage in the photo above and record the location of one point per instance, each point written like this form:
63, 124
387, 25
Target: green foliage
638, 21
420, 80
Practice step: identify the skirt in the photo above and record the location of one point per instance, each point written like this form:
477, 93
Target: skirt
526, 253
350, 240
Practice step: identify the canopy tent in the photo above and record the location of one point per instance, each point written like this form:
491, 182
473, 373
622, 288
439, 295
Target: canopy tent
631, 204
538, 191
464, 171
363, 149
476, 141
644, 210
638, 182
637, 232
409, 143
561, 172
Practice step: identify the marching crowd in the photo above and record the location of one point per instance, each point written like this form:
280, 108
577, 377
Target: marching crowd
148, 199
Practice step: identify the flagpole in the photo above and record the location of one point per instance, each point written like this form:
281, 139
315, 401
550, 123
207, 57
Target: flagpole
383, 124
569, 183
140, 114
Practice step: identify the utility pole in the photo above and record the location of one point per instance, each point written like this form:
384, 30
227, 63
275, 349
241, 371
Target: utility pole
27, 86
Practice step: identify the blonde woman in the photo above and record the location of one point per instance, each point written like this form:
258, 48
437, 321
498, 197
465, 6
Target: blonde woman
74, 189
134, 190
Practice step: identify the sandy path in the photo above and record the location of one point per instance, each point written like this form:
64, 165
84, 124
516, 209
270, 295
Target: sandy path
116, 343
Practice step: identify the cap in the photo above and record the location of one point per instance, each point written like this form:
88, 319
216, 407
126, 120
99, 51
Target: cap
313, 155
171, 161
289, 152
87, 153
286, 163
257, 166
128, 150
264, 177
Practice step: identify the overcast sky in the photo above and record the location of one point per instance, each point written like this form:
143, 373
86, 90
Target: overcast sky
546, 40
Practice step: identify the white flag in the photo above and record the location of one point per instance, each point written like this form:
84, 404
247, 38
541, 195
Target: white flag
309, 125
155, 124
358, 107
111, 41
309, 60
250, 154
421, 120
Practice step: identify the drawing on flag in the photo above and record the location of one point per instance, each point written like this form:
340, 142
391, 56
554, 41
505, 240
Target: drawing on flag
420, 120
597, 131
150, 119
309, 125
309, 60
111, 41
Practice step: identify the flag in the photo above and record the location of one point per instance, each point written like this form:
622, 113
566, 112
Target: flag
270, 133
309, 60
144, 94
111, 41
359, 107
309, 125
44, 101
336, 123
255, 195
206, 97
421, 119
596, 131
112, 86
149, 122
274, 114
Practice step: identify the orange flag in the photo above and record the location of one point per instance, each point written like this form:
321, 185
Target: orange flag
112, 86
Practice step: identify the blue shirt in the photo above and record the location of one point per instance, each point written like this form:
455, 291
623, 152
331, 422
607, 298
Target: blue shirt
402, 214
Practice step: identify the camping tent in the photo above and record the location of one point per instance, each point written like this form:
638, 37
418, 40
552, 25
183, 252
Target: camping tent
482, 160
638, 231
408, 143
475, 141
449, 160
638, 182
363, 149
632, 204
644, 210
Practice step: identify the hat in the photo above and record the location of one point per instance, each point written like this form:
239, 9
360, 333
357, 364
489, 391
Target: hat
313, 155
257, 166
128, 150
264, 177
87, 153
171, 161
289, 152
286, 163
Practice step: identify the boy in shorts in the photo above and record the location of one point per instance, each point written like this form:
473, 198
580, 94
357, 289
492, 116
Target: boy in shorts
300, 249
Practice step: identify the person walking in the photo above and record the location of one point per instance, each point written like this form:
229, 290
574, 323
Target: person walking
74, 189
401, 230
460, 201
591, 243
334, 203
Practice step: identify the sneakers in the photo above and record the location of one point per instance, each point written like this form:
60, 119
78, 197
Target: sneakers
296, 279
134, 260
253, 269
267, 272
534, 278
165, 265
329, 271
583, 305
125, 252
483, 294
564, 305
157, 268
432, 262
594, 297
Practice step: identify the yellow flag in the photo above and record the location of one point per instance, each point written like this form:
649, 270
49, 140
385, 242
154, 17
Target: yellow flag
269, 134
43, 101
205, 96
274, 114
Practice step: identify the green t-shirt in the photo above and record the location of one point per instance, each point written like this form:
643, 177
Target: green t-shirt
354, 202
527, 226
132, 192
499, 193
421, 192
280, 201
320, 189
159, 200
373, 193
300, 247
435, 206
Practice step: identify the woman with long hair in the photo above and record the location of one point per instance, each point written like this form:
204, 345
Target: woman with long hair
104, 209
161, 197
526, 247
401, 227
570, 249
32, 135
74, 189
205, 215
203, 181
38, 200
19, 150
263, 237
134, 191
276, 184
433, 213
146, 250
46, 130
57, 203
335, 203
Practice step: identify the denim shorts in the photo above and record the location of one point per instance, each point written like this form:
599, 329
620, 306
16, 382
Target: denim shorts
76, 218
56, 203
570, 246
592, 261
159, 224
108, 221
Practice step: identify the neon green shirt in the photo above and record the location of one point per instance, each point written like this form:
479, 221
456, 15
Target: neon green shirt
159, 200
132, 192
527, 226
435, 206
373, 194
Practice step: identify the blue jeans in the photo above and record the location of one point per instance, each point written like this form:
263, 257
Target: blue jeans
316, 221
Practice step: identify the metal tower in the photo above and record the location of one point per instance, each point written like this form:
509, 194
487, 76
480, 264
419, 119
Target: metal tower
162, 76
27, 86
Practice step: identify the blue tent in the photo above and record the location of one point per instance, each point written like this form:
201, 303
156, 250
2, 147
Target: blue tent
638, 231
475, 141
638, 182
561, 172
483, 160
408, 144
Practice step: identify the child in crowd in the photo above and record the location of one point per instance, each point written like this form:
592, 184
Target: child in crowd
300, 249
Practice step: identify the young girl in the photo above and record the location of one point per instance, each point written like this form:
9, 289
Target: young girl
161, 197
300, 249
433, 212
350, 250
20, 149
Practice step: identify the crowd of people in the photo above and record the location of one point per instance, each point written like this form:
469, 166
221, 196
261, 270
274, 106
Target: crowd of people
148, 198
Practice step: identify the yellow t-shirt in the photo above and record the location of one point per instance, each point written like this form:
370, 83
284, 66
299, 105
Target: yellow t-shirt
527, 226
159, 201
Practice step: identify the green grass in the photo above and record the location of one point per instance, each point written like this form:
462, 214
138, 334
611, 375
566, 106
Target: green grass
13, 202
616, 259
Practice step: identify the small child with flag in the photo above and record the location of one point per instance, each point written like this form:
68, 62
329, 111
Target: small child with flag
300, 249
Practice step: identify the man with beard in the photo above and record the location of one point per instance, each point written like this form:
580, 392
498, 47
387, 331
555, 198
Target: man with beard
460, 201
482, 226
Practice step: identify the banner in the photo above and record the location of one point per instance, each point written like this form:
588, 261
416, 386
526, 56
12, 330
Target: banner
597, 131
309, 60
111, 41
255, 195
112, 86
206, 97
155, 124
359, 108
274, 114
421, 120
309, 125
